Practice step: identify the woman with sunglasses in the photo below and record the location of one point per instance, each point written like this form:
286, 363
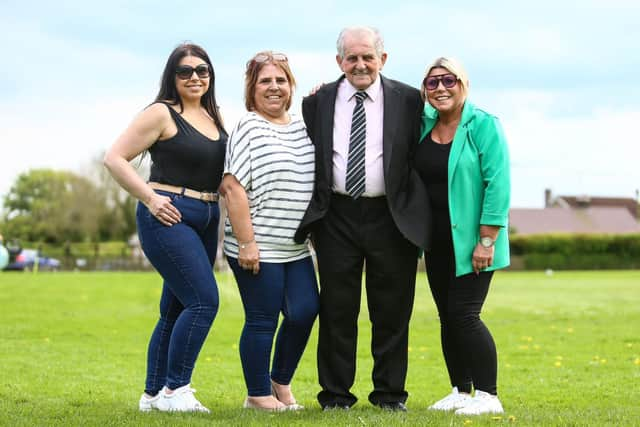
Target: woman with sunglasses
177, 217
463, 160
267, 185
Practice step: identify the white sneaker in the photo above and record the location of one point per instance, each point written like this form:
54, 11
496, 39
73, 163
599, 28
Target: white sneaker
147, 404
451, 401
482, 403
181, 400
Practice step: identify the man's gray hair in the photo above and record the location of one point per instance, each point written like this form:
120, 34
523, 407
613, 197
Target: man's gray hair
372, 32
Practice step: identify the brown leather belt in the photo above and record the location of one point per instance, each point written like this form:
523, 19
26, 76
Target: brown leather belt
200, 195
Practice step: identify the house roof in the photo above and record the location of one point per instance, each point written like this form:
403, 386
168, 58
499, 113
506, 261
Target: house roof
587, 201
590, 220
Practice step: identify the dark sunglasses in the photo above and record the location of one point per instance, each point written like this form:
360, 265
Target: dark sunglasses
448, 81
184, 72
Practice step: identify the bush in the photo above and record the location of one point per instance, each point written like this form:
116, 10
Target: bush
570, 251
82, 249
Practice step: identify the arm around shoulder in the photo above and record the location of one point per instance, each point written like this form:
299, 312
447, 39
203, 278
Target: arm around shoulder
309, 105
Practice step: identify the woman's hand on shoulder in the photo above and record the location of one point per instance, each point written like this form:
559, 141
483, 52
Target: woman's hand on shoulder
315, 89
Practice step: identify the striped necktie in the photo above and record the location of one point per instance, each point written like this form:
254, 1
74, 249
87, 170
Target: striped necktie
355, 165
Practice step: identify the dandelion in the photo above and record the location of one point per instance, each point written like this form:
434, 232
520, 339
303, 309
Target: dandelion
508, 365
511, 418
423, 348
596, 358
637, 361
558, 364
524, 347
603, 361
629, 345
467, 422
496, 418
234, 346
570, 330
47, 340
208, 359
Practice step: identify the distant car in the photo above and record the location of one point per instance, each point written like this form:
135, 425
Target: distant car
26, 259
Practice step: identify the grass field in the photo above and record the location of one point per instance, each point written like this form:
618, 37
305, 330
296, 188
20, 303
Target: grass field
72, 352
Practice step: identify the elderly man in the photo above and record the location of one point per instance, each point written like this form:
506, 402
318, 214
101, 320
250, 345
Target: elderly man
369, 208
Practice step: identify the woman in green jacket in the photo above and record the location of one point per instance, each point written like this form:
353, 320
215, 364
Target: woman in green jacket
463, 160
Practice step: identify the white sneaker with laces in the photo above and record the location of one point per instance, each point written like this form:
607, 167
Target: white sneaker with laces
454, 400
482, 403
147, 404
181, 400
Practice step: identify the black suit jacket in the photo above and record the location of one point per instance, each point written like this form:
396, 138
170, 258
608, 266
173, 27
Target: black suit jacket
406, 194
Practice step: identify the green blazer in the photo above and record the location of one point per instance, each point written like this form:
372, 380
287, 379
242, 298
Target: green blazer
479, 183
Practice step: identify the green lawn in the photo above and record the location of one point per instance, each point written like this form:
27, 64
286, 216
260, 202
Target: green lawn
72, 352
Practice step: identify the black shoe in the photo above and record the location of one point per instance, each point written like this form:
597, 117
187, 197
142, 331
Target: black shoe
393, 406
335, 406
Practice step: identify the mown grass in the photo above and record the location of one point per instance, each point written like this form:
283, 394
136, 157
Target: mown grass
72, 352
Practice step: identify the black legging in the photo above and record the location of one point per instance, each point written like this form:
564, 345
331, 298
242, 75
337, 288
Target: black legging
468, 347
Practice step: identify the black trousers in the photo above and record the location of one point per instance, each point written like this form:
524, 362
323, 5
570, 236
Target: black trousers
355, 233
468, 347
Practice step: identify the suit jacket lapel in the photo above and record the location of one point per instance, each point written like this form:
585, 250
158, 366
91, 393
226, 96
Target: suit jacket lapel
390, 120
327, 106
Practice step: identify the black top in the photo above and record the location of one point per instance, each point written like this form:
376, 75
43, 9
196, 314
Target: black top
432, 163
189, 158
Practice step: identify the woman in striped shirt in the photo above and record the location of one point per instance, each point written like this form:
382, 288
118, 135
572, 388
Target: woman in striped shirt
267, 184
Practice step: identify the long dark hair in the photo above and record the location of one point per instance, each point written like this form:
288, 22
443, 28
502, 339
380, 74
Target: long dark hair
169, 92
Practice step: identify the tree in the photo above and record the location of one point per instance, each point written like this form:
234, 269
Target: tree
53, 207
118, 221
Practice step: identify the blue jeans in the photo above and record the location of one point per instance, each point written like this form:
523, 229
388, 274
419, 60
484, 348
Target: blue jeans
290, 288
184, 255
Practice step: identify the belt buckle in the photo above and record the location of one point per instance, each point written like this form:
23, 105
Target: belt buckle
205, 196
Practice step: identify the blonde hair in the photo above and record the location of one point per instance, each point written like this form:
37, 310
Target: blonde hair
454, 67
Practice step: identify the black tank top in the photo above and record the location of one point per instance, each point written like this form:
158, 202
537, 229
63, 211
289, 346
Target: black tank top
432, 164
189, 158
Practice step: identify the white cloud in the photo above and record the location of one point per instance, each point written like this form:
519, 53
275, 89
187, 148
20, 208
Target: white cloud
592, 154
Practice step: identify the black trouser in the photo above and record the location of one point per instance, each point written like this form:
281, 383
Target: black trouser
468, 347
352, 234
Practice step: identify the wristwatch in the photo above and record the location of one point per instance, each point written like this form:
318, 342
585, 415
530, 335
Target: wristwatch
487, 242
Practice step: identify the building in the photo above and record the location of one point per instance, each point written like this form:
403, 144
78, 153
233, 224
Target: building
578, 215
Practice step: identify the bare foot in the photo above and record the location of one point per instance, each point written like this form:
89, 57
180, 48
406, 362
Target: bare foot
283, 393
265, 403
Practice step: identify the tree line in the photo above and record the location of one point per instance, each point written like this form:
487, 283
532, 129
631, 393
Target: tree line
59, 206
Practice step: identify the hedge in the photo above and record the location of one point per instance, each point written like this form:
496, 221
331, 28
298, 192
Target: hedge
577, 251
82, 249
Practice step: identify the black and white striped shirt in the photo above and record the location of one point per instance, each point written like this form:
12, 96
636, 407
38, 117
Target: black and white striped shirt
275, 165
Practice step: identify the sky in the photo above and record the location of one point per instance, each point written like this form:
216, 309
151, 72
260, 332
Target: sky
563, 77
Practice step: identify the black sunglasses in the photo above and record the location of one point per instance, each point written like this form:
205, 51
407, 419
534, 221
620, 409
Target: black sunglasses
184, 72
448, 81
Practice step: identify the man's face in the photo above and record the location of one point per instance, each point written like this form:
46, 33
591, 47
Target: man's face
360, 63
